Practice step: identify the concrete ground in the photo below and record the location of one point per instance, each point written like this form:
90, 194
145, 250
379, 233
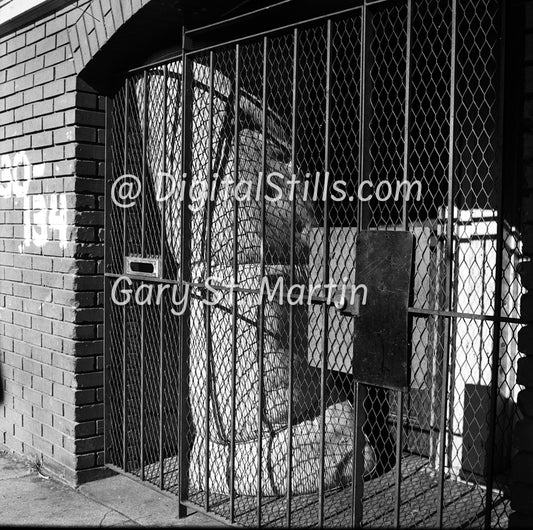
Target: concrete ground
29, 499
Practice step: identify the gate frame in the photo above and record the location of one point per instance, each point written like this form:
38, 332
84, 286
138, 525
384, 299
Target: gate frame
188, 49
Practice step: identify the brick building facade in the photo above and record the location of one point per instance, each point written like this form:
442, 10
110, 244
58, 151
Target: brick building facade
56, 67
52, 252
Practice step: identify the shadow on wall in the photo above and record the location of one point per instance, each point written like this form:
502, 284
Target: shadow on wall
1, 386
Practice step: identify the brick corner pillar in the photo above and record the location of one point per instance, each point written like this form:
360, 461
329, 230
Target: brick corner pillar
51, 251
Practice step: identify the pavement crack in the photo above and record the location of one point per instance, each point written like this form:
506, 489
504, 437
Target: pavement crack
109, 508
103, 518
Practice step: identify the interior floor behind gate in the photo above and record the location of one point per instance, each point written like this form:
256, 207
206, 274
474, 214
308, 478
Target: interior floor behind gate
463, 502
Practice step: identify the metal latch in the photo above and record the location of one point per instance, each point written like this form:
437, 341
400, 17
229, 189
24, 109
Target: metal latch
348, 306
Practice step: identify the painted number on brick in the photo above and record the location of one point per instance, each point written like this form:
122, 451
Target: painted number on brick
45, 216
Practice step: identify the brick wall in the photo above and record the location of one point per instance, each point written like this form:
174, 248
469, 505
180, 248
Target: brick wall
51, 251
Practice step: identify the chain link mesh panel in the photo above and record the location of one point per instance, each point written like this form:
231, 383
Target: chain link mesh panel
270, 415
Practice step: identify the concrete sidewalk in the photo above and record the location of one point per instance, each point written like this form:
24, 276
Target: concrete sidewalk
28, 499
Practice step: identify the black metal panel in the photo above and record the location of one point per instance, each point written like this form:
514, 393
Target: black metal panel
384, 263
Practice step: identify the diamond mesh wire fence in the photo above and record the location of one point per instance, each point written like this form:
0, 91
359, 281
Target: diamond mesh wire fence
244, 405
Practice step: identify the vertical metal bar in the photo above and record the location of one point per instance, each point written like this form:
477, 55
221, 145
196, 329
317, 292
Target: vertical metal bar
107, 268
262, 275
124, 308
187, 102
207, 307
499, 140
144, 161
358, 455
294, 147
124, 393
325, 342
398, 470
364, 108
407, 113
165, 168
235, 280
143, 237
445, 367
449, 271
406, 175
436, 277
451, 377
142, 392
359, 413
438, 332
162, 306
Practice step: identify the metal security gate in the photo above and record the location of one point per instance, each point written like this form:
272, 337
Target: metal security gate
246, 407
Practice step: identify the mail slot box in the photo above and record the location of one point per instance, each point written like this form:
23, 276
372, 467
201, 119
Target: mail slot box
134, 266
